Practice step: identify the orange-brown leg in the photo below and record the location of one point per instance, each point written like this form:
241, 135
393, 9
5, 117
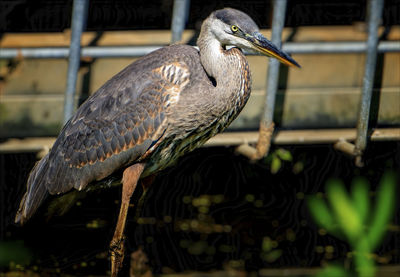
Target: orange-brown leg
130, 178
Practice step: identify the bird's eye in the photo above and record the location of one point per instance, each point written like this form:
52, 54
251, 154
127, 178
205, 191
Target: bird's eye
234, 28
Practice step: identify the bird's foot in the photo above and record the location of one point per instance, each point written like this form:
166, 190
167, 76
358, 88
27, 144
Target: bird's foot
117, 255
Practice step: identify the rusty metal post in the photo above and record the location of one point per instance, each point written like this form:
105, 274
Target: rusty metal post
375, 10
79, 14
266, 123
179, 18
375, 15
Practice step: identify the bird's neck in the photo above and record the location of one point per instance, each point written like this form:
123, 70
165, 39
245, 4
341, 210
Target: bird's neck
225, 66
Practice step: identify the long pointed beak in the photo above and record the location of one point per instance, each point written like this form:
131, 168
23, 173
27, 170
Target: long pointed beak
264, 46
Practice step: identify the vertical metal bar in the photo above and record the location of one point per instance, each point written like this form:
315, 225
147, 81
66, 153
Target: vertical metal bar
179, 18
266, 123
79, 14
375, 14
278, 21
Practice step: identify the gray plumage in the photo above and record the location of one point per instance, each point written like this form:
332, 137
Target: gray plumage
158, 108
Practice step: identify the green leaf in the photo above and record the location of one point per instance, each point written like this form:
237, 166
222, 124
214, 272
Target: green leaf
267, 244
284, 154
273, 255
384, 209
359, 193
345, 214
298, 167
276, 164
321, 214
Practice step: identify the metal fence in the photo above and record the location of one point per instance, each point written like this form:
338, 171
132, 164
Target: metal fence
180, 14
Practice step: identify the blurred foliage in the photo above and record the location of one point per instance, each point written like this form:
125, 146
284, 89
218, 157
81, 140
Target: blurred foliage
269, 252
204, 223
354, 218
277, 158
334, 271
14, 254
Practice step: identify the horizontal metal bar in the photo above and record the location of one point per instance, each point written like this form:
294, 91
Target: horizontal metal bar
338, 47
232, 138
137, 51
92, 51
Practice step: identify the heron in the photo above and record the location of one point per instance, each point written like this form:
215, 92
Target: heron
158, 108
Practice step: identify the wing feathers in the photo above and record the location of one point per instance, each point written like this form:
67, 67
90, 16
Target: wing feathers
112, 129
36, 191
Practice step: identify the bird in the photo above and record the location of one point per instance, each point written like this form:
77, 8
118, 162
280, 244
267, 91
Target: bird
163, 105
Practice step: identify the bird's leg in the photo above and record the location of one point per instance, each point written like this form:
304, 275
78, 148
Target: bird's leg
146, 182
130, 178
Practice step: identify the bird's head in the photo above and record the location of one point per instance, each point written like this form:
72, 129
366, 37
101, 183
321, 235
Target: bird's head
233, 27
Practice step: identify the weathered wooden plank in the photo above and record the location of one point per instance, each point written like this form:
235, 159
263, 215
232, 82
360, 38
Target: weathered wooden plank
41, 115
317, 108
231, 139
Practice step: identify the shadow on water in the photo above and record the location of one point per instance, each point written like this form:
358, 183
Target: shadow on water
213, 209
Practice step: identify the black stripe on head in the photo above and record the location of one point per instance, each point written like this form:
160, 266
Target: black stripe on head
225, 16
235, 17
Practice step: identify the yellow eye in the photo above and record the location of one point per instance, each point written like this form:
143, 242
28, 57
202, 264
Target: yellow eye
234, 28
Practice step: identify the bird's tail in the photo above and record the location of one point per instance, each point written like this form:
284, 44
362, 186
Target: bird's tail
36, 191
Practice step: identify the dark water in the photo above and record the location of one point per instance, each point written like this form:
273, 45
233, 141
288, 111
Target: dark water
212, 210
